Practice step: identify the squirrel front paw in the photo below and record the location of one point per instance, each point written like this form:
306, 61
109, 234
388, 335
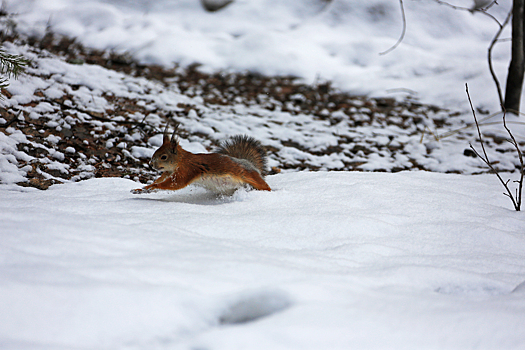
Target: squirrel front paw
140, 191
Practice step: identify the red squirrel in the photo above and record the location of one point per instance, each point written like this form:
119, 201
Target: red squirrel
238, 161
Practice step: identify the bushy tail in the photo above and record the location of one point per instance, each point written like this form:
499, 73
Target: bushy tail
247, 148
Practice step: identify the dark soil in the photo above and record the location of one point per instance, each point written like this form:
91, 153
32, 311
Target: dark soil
221, 88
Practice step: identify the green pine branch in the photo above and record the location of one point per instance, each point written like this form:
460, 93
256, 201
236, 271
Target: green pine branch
10, 66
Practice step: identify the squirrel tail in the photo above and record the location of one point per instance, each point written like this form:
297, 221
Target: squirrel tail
245, 148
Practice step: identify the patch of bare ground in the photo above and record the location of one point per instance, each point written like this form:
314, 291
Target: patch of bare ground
92, 145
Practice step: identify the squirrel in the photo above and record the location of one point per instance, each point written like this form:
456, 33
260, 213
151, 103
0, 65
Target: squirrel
238, 161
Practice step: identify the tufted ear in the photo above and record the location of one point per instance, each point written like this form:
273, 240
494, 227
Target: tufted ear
174, 141
173, 136
165, 138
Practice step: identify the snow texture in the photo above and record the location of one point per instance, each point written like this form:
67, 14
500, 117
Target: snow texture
339, 40
435, 140
339, 260
328, 260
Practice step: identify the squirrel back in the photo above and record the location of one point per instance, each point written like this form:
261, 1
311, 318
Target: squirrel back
247, 151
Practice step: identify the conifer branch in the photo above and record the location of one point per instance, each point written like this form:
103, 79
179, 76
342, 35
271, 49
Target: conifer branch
10, 66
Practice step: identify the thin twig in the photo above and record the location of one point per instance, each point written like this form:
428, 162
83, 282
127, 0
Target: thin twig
481, 10
141, 126
491, 68
403, 16
468, 126
402, 32
522, 169
485, 157
13, 120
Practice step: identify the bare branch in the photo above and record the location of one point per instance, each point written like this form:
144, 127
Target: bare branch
479, 131
485, 157
452, 6
520, 157
491, 68
403, 32
403, 16
480, 10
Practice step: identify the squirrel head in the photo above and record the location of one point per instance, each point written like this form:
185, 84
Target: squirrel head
166, 158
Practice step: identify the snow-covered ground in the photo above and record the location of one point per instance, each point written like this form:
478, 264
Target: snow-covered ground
56, 95
338, 40
328, 260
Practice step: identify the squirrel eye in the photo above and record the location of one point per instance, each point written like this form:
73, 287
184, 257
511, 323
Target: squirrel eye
164, 157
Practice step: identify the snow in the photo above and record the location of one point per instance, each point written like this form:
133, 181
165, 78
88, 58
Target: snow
335, 260
339, 41
327, 260
435, 148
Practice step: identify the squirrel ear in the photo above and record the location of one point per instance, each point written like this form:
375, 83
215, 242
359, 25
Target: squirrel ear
174, 142
165, 138
173, 138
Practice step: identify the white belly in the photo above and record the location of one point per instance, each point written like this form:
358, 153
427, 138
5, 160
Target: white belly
225, 185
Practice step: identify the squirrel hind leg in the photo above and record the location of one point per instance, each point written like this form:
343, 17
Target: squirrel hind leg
258, 183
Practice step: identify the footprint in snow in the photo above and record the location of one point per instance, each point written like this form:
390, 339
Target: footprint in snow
251, 307
471, 290
520, 288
